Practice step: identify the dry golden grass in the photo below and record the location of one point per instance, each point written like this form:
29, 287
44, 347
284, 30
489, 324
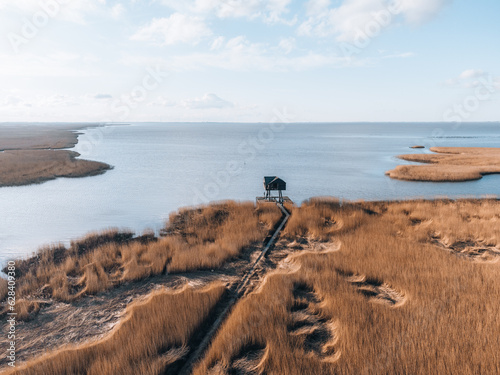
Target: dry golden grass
36, 137
61, 273
436, 311
413, 289
27, 154
319, 219
451, 164
153, 336
26, 309
204, 238
3, 288
21, 167
195, 239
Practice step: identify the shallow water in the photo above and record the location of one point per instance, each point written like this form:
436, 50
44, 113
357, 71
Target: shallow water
161, 167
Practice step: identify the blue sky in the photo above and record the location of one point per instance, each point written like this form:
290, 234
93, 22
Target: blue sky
235, 60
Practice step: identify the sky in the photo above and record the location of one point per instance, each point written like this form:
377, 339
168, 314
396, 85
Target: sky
247, 60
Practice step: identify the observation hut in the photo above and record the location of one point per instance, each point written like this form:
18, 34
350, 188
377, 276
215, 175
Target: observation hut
273, 183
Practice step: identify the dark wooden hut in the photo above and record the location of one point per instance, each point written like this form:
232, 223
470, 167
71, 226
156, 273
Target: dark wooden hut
273, 183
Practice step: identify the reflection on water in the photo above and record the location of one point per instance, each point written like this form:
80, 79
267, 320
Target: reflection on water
161, 167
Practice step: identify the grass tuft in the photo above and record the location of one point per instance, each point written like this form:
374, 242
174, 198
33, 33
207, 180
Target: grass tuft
153, 336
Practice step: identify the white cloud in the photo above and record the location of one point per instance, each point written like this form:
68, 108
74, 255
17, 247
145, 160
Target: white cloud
56, 101
270, 11
62, 56
117, 11
178, 28
239, 54
420, 11
287, 45
52, 64
402, 55
315, 7
77, 11
20, 105
73, 11
355, 18
217, 43
161, 101
228, 8
208, 101
346, 22
471, 73
11, 101
103, 96
28, 100
472, 78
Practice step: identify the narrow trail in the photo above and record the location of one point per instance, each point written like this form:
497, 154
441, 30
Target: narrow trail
202, 340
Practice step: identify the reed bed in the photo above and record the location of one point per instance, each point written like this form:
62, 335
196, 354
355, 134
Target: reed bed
449, 164
23, 167
443, 320
3, 288
194, 239
412, 287
153, 336
31, 154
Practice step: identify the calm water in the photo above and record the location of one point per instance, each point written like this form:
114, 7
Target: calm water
161, 167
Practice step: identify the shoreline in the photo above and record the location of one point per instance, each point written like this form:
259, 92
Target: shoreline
449, 164
147, 231
34, 154
27, 253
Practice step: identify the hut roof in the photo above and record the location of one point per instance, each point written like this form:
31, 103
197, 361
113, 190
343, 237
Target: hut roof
274, 183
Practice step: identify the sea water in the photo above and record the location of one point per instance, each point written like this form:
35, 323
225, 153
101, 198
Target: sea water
160, 167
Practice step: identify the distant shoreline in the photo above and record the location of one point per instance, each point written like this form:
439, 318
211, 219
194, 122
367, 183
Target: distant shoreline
34, 154
449, 164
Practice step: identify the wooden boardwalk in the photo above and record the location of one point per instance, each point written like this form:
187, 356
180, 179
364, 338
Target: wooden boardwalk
229, 300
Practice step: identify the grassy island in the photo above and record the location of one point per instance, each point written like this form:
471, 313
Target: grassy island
34, 154
449, 164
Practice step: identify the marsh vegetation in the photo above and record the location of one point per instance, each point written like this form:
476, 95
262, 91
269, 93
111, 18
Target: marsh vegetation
358, 287
449, 164
32, 154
